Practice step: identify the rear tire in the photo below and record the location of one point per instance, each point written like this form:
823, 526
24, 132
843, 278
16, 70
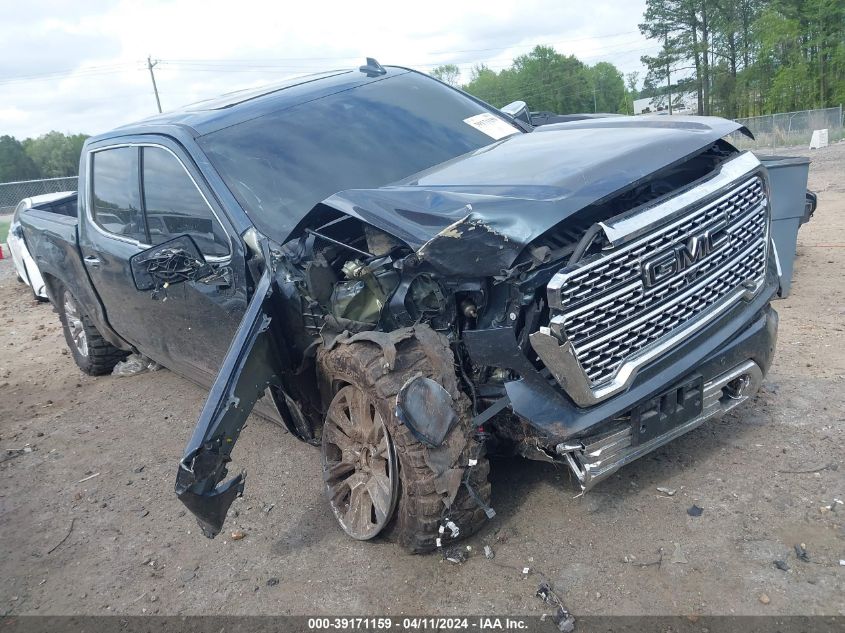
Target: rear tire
420, 509
91, 352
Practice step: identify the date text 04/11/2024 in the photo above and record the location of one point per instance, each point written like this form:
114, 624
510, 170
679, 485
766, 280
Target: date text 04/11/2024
416, 623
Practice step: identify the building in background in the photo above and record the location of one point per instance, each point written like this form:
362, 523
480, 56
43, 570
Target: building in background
682, 103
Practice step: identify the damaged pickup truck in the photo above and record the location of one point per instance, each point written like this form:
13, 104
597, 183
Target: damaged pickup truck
412, 279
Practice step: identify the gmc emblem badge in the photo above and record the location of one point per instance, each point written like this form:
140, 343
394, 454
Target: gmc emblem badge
675, 261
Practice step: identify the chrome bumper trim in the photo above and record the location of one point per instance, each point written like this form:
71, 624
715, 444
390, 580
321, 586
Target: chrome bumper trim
596, 460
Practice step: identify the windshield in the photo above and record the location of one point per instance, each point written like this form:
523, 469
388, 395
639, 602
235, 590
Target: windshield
281, 164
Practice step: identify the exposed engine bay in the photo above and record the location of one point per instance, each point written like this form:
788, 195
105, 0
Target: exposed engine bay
345, 275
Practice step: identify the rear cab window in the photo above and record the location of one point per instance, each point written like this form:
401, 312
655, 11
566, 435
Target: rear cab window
116, 196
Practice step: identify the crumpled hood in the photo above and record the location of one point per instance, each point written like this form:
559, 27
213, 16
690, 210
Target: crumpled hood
514, 190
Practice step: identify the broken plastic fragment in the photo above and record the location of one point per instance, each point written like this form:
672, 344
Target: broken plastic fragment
455, 555
801, 552
695, 511
426, 408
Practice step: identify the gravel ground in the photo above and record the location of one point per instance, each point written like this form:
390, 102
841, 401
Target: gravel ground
90, 524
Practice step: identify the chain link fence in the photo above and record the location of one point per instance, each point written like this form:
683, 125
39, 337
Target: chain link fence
787, 129
13, 192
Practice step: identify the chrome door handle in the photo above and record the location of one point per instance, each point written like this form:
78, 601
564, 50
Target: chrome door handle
92, 260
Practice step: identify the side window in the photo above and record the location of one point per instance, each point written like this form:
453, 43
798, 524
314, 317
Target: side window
117, 203
175, 206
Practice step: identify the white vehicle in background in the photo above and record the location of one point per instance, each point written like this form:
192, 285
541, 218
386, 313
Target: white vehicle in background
62, 202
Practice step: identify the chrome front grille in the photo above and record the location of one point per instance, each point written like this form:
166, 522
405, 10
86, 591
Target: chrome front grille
606, 313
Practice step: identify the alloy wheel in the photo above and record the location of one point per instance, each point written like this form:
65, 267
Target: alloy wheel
75, 325
360, 469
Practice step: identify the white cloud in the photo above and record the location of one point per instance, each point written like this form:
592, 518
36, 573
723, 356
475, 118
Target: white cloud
216, 46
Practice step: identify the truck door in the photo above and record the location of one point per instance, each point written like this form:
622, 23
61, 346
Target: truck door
111, 230
177, 201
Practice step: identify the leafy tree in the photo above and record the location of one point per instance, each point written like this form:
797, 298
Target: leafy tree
750, 57
550, 81
55, 154
448, 73
608, 88
15, 164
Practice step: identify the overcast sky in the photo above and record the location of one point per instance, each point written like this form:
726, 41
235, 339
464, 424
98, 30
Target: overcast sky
81, 66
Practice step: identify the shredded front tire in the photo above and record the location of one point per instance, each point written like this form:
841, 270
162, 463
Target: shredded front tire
432, 481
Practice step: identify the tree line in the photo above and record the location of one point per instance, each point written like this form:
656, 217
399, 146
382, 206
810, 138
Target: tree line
547, 81
51, 155
748, 57
739, 57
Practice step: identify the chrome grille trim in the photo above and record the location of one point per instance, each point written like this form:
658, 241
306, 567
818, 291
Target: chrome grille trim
606, 322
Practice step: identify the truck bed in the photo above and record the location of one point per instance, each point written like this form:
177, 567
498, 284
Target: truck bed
53, 242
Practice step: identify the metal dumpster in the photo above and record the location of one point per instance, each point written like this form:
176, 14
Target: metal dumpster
788, 190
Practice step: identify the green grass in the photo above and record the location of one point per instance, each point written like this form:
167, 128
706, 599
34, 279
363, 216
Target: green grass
4, 229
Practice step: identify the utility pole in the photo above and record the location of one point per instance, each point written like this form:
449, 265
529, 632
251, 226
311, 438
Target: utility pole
151, 64
595, 107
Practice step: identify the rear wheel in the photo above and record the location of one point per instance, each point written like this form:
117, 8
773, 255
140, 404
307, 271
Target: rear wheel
92, 353
379, 478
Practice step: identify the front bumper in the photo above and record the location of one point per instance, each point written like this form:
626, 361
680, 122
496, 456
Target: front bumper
595, 459
747, 332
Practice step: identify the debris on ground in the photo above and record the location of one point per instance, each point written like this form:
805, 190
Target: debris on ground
272, 582
564, 620
489, 554
266, 507
456, 555
88, 477
69, 530
781, 564
237, 535
544, 592
669, 492
695, 511
135, 364
678, 555
764, 598
801, 552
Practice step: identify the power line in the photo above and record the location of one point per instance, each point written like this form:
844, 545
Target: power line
150, 65
269, 64
470, 50
82, 72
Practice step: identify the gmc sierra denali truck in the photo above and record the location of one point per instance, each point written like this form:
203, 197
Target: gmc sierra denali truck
412, 278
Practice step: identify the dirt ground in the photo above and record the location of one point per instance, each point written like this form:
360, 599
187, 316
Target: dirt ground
89, 523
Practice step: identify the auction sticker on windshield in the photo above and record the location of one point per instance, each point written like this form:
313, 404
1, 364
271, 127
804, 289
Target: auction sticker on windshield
491, 125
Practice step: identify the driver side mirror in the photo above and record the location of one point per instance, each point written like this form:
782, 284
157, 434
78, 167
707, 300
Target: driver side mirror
168, 263
518, 110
